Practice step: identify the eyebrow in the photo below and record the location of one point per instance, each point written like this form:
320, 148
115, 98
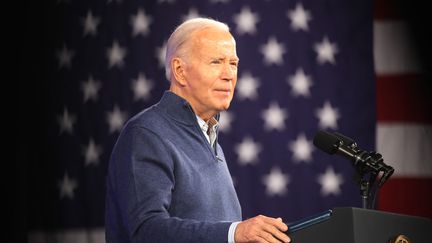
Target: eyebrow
223, 58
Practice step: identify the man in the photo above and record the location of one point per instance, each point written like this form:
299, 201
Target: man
168, 180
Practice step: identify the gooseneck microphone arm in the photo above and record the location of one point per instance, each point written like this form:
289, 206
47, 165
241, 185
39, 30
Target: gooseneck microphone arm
369, 165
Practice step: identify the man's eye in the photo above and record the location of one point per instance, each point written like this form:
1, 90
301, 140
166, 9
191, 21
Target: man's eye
235, 64
215, 62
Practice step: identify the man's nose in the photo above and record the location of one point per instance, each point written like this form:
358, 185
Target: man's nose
229, 72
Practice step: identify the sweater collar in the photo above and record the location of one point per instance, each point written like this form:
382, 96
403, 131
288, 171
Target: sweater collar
178, 108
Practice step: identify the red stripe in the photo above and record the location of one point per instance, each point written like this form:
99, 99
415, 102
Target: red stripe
403, 98
407, 196
386, 10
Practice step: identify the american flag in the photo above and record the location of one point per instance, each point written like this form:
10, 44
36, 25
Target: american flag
404, 107
304, 66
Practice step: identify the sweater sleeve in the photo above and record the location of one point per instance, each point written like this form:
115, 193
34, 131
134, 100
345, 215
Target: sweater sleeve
142, 179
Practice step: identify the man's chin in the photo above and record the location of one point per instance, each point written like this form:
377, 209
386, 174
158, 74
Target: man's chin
222, 104
224, 107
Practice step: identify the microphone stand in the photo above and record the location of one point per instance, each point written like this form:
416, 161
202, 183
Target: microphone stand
364, 192
369, 165
366, 185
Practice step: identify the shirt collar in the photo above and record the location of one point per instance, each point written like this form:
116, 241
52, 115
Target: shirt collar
204, 125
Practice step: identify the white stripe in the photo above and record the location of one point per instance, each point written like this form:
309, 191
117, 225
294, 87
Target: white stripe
394, 51
68, 236
408, 148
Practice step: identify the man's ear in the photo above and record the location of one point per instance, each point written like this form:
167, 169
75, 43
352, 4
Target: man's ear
178, 69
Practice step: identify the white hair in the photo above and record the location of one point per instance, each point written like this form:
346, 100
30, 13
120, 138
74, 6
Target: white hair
181, 35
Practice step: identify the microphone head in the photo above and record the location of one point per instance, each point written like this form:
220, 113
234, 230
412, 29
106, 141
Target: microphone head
345, 140
327, 142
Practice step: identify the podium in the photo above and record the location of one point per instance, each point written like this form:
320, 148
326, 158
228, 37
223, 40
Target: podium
357, 225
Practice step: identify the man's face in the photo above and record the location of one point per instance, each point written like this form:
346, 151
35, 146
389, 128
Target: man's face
211, 71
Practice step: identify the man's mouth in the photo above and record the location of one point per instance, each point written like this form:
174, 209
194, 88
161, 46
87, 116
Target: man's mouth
223, 90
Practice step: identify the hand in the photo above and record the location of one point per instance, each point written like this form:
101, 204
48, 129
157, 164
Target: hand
261, 229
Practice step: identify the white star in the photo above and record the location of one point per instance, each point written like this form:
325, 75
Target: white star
90, 23
90, 89
327, 116
276, 182
115, 55
92, 153
65, 57
300, 83
274, 117
326, 51
225, 121
193, 13
66, 122
141, 87
330, 182
160, 54
140, 23
273, 52
299, 18
115, 119
247, 151
301, 149
246, 21
67, 187
247, 86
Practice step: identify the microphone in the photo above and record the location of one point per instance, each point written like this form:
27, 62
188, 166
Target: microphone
337, 144
340, 144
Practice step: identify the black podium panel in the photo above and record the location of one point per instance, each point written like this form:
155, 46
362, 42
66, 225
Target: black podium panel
356, 225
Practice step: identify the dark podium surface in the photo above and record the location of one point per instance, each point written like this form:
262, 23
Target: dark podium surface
357, 225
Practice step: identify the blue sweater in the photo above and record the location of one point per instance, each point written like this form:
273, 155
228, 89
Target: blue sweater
165, 183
